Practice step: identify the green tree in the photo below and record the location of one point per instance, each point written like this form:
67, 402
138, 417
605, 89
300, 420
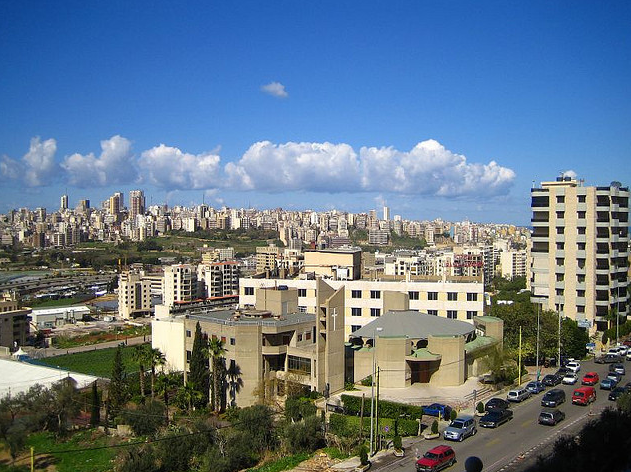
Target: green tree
146, 419
156, 359
306, 435
257, 423
235, 382
118, 392
16, 440
143, 356
95, 406
200, 374
188, 396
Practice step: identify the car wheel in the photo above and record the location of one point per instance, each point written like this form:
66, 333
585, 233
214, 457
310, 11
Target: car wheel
461, 438
475, 431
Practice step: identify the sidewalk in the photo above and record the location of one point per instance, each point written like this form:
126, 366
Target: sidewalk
52, 352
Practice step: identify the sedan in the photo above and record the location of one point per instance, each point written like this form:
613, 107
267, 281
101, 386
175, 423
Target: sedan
617, 392
574, 366
551, 380
614, 376
437, 409
590, 378
495, 418
617, 368
570, 378
496, 404
608, 384
535, 387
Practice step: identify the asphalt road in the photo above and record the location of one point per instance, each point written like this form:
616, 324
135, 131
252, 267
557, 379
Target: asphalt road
516, 444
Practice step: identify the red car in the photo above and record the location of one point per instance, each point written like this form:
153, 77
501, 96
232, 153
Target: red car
583, 396
590, 378
436, 459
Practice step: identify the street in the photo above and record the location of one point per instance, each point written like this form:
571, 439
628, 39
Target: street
517, 443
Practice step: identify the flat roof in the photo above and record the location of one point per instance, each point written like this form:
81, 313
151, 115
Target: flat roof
249, 317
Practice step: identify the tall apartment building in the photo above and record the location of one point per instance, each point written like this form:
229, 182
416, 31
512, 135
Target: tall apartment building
180, 284
513, 264
266, 258
134, 295
63, 202
136, 203
219, 279
579, 250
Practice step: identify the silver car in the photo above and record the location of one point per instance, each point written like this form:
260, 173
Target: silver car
460, 428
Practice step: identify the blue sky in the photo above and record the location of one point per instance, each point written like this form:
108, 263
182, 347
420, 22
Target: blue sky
440, 109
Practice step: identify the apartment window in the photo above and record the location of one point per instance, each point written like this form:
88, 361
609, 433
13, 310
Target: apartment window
233, 341
375, 294
580, 308
452, 314
188, 333
299, 364
223, 340
375, 312
581, 215
581, 230
560, 277
413, 295
581, 246
580, 293
249, 290
300, 338
307, 336
432, 295
560, 246
356, 293
582, 199
580, 278
472, 297
432, 312
471, 314
452, 296
559, 292
560, 230
356, 311
559, 261
188, 356
354, 328
302, 292
560, 214
560, 198
302, 309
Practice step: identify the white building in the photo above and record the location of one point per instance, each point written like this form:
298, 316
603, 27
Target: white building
134, 295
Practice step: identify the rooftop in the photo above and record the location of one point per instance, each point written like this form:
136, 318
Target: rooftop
413, 324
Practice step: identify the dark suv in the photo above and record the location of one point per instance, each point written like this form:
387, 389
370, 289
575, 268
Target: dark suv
553, 398
550, 416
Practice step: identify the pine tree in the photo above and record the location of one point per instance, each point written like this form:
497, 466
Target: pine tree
95, 415
118, 390
199, 375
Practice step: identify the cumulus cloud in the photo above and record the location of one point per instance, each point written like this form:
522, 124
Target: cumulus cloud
169, 167
36, 167
275, 89
431, 169
318, 167
115, 165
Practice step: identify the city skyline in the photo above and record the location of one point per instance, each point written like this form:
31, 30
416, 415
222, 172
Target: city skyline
440, 111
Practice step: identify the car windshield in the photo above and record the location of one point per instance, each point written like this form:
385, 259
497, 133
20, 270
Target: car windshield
457, 424
494, 414
546, 415
579, 394
431, 455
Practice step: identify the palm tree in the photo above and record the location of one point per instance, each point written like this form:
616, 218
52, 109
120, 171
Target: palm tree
189, 395
156, 358
235, 382
215, 352
143, 356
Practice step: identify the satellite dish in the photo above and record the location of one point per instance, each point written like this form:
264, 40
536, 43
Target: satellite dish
615, 184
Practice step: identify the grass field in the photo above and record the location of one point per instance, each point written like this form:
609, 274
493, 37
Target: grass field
98, 362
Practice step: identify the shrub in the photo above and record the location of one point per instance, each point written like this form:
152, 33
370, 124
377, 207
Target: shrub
367, 381
480, 407
363, 455
349, 386
435, 427
397, 443
352, 406
453, 415
147, 419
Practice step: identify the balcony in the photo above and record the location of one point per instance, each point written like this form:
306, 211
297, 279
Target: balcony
274, 350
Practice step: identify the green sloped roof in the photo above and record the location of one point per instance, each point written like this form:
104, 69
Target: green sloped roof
424, 355
479, 342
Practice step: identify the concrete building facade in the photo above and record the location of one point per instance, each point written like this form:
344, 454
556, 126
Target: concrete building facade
134, 294
14, 321
578, 255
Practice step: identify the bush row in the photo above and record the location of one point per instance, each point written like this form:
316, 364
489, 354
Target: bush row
353, 405
345, 426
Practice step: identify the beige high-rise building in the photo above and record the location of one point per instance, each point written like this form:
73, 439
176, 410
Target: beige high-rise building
180, 284
578, 255
134, 295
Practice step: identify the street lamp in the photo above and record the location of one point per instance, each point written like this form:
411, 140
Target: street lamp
372, 388
539, 302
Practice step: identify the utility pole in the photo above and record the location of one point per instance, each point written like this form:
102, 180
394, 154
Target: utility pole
519, 363
538, 313
559, 313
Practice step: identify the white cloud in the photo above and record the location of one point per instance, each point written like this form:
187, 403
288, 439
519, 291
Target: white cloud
570, 173
115, 165
275, 89
430, 169
169, 167
36, 167
316, 167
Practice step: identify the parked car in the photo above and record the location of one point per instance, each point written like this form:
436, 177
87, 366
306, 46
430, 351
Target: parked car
460, 428
570, 378
494, 418
608, 384
535, 387
496, 404
607, 359
437, 458
614, 376
590, 378
584, 396
437, 409
617, 368
553, 398
628, 356
623, 350
574, 366
617, 392
551, 416
517, 395
561, 371
551, 380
